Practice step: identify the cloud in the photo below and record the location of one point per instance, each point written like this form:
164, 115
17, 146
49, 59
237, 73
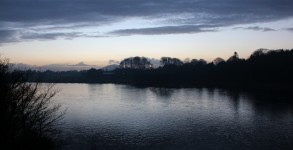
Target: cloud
187, 29
102, 11
289, 29
8, 36
55, 16
257, 28
49, 36
268, 29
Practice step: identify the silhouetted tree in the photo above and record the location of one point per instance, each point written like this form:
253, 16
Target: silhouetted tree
177, 62
198, 62
171, 61
165, 60
136, 63
233, 58
259, 52
193, 61
28, 117
218, 60
202, 62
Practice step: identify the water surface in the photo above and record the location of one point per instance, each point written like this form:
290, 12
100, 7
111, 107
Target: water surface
109, 116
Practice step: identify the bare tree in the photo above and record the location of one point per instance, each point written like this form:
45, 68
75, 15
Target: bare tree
26, 108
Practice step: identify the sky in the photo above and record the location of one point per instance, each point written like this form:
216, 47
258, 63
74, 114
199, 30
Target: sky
41, 32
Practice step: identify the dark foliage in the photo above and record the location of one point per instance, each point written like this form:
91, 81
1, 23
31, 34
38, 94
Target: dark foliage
171, 61
28, 118
263, 69
136, 63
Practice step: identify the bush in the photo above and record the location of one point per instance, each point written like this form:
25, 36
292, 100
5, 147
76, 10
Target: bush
27, 113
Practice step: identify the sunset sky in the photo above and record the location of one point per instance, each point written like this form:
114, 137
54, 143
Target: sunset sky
40, 32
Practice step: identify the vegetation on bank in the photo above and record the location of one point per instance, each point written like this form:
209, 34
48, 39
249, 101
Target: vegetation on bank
263, 68
28, 117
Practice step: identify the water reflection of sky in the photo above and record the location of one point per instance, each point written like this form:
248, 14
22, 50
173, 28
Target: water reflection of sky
187, 118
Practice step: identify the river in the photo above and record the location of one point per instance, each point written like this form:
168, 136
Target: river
109, 116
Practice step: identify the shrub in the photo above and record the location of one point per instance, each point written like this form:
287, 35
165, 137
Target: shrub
27, 112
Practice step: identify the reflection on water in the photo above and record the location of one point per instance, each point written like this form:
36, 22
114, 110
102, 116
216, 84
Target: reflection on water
163, 92
108, 116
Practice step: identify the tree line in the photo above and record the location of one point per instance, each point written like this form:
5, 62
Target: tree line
262, 68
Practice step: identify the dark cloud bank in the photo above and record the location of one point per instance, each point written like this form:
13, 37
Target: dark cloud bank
22, 20
257, 28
